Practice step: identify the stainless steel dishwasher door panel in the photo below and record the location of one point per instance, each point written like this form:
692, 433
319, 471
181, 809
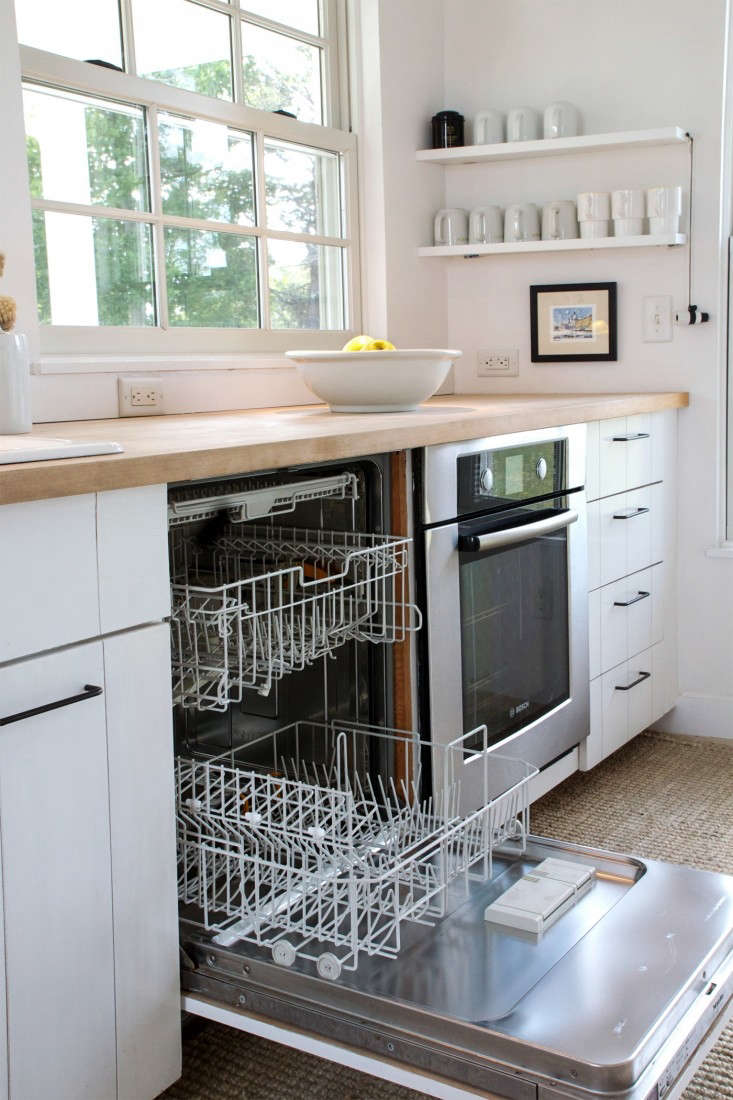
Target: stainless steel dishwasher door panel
622, 1003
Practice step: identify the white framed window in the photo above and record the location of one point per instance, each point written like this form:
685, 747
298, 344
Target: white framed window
178, 208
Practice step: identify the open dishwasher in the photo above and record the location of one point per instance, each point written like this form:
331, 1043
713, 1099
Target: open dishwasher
348, 888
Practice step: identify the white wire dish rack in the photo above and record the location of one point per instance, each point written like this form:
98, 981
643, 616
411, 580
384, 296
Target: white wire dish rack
291, 843
261, 602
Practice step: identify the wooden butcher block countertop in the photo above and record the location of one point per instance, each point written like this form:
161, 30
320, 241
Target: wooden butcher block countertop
161, 449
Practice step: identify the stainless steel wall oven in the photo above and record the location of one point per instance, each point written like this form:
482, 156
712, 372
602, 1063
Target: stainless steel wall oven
505, 590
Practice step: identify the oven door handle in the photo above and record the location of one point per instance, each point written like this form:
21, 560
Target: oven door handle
510, 536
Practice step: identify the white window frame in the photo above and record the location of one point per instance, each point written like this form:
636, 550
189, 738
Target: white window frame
185, 346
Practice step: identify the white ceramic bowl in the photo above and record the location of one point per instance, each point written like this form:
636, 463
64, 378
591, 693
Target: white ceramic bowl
374, 381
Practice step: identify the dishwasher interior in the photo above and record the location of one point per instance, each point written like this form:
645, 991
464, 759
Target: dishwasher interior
330, 874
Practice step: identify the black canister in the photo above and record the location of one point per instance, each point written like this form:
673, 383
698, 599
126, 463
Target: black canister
447, 129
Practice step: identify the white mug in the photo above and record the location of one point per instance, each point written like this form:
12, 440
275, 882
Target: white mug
488, 127
521, 222
594, 206
595, 228
561, 120
664, 206
559, 221
522, 124
486, 225
451, 227
628, 227
628, 202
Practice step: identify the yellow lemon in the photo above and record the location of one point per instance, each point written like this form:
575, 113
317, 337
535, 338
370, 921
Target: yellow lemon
378, 345
357, 343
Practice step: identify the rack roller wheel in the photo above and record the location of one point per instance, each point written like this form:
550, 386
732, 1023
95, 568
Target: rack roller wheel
283, 953
328, 966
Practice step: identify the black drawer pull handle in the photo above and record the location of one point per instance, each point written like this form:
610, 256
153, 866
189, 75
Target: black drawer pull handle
630, 437
639, 680
634, 599
89, 692
631, 514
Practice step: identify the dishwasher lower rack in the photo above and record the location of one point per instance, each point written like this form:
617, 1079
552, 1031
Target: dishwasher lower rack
293, 842
261, 602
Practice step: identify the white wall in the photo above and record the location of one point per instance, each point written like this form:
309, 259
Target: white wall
627, 65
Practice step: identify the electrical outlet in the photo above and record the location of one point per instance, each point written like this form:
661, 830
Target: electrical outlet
497, 363
140, 396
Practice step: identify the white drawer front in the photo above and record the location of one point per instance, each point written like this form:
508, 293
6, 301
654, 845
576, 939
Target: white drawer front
627, 454
625, 618
626, 700
626, 533
48, 569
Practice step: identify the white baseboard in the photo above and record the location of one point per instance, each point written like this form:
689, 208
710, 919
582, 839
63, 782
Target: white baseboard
700, 715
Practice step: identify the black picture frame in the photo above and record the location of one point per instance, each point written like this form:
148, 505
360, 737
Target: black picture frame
535, 293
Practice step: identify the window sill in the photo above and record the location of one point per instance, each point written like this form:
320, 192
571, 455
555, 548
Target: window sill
725, 550
159, 364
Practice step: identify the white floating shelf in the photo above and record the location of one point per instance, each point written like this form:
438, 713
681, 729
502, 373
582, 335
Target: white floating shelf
578, 245
586, 143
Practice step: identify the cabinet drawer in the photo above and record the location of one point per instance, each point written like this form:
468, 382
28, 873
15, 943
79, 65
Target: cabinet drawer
625, 618
626, 701
48, 574
625, 453
626, 534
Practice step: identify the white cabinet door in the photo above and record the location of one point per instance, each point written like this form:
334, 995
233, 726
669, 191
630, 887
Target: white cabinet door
132, 533
48, 575
54, 814
142, 815
3, 999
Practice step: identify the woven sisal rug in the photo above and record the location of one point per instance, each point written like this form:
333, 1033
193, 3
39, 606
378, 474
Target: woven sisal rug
662, 797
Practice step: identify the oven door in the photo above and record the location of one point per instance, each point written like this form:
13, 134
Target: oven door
508, 630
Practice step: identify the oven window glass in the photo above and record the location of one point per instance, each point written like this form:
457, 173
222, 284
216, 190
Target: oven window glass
514, 634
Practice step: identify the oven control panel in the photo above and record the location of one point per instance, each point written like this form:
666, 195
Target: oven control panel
493, 479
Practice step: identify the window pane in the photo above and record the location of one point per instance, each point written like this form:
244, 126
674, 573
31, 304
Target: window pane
183, 44
302, 189
85, 150
302, 14
86, 29
281, 73
93, 271
212, 279
206, 170
306, 285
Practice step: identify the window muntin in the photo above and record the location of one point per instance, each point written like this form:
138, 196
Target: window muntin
302, 14
205, 172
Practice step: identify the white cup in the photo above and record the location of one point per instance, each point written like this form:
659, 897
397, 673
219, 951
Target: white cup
629, 202
486, 225
451, 227
664, 206
594, 206
561, 120
488, 127
521, 222
595, 228
559, 220
522, 124
628, 227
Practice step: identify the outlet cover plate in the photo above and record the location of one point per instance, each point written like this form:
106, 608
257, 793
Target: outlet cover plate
140, 396
497, 362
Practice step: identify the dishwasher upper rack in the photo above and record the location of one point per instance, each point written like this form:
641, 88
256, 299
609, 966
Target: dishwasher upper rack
304, 853
261, 602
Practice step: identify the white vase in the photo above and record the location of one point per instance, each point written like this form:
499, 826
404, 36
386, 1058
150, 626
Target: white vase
15, 384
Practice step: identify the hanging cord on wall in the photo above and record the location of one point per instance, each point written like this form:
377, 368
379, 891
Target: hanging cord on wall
692, 316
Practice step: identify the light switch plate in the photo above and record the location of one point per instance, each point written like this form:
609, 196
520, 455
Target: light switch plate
657, 319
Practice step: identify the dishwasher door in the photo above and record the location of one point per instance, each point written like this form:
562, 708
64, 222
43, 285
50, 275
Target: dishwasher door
621, 998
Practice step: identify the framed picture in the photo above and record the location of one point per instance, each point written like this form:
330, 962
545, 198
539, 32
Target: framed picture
573, 323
